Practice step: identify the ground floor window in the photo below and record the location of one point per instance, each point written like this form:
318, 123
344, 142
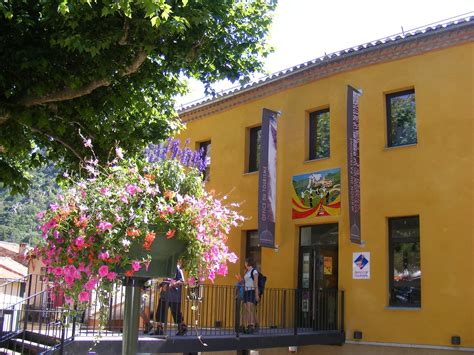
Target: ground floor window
253, 249
404, 261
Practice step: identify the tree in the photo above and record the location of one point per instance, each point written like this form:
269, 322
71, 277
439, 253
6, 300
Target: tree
18, 221
109, 69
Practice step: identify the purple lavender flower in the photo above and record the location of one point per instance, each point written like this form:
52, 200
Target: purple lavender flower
175, 149
165, 148
185, 156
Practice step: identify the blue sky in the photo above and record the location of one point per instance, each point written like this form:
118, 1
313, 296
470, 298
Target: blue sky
307, 29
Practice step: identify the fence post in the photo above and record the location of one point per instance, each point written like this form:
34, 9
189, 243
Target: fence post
63, 332
342, 311
237, 316
297, 312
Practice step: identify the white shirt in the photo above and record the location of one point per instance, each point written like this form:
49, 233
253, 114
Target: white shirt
249, 283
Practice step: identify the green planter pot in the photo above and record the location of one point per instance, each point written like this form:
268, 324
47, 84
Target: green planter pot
165, 254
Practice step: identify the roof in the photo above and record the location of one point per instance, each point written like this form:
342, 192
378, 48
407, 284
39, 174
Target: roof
11, 269
13, 247
412, 42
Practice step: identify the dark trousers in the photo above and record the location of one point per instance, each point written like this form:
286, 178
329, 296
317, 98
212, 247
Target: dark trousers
175, 308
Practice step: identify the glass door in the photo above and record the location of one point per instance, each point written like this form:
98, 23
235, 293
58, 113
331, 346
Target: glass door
318, 276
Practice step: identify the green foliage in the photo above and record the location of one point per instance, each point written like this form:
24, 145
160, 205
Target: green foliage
322, 135
403, 120
109, 70
18, 221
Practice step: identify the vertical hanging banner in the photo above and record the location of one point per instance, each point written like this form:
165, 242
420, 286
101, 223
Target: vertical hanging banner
267, 180
353, 163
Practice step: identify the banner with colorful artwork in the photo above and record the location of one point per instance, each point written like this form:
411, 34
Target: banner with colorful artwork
317, 194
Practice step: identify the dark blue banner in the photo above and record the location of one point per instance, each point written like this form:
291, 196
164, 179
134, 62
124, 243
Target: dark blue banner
353, 163
267, 180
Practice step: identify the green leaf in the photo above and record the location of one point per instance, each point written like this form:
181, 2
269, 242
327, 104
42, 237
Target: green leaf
155, 21
63, 7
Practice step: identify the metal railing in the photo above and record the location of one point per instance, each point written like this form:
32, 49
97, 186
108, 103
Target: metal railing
31, 318
220, 312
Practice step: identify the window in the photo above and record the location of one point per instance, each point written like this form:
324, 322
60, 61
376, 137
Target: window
401, 118
319, 134
254, 148
404, 262
205, 148
253, 249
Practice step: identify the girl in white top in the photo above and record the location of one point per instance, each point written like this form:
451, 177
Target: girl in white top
251, 296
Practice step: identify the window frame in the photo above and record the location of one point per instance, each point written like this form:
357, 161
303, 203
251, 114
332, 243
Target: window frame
312, 134
253, 161
391, 242
388, 98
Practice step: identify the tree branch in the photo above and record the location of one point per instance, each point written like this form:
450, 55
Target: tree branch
57, 139
126, 27
69, 94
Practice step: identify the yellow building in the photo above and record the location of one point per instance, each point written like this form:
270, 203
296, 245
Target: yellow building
416, 186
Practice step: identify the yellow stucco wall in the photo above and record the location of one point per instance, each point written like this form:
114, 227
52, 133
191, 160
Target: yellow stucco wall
432, 179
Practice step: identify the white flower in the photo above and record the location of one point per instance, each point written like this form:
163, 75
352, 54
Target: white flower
119, 153
125, 242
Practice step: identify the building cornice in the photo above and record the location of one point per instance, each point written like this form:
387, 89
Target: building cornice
431, 39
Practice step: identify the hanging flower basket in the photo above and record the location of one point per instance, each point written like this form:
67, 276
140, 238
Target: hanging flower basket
136, 218
164, 252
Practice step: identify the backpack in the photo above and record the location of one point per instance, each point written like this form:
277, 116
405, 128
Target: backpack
262, 280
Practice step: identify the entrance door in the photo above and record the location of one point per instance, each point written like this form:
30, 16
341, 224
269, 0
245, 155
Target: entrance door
318, 276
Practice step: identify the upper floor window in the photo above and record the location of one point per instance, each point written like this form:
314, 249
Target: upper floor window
255, 136
404, 261
401, 118
319, 134
205, 148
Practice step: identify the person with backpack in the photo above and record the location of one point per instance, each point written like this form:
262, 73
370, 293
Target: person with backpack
251, 296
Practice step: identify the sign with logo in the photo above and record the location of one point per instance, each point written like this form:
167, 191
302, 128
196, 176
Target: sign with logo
327, 265
361, 266
267, 180
353, 163
317, 194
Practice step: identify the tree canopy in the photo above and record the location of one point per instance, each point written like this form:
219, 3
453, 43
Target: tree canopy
109, 69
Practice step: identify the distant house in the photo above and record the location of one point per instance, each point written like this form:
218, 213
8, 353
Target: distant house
13, 270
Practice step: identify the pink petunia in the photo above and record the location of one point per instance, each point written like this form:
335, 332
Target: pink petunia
132, 189
103, 271
111, 276
103, 226
222, 270
58, 271
136, 265
89, 285
104, 255
79, 242
84, 296
69, 279
105, 191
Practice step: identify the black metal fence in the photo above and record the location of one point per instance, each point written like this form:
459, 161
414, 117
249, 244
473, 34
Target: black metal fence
219, 311
32, 315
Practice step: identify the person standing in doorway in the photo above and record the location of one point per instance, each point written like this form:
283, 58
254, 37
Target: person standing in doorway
251, 296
